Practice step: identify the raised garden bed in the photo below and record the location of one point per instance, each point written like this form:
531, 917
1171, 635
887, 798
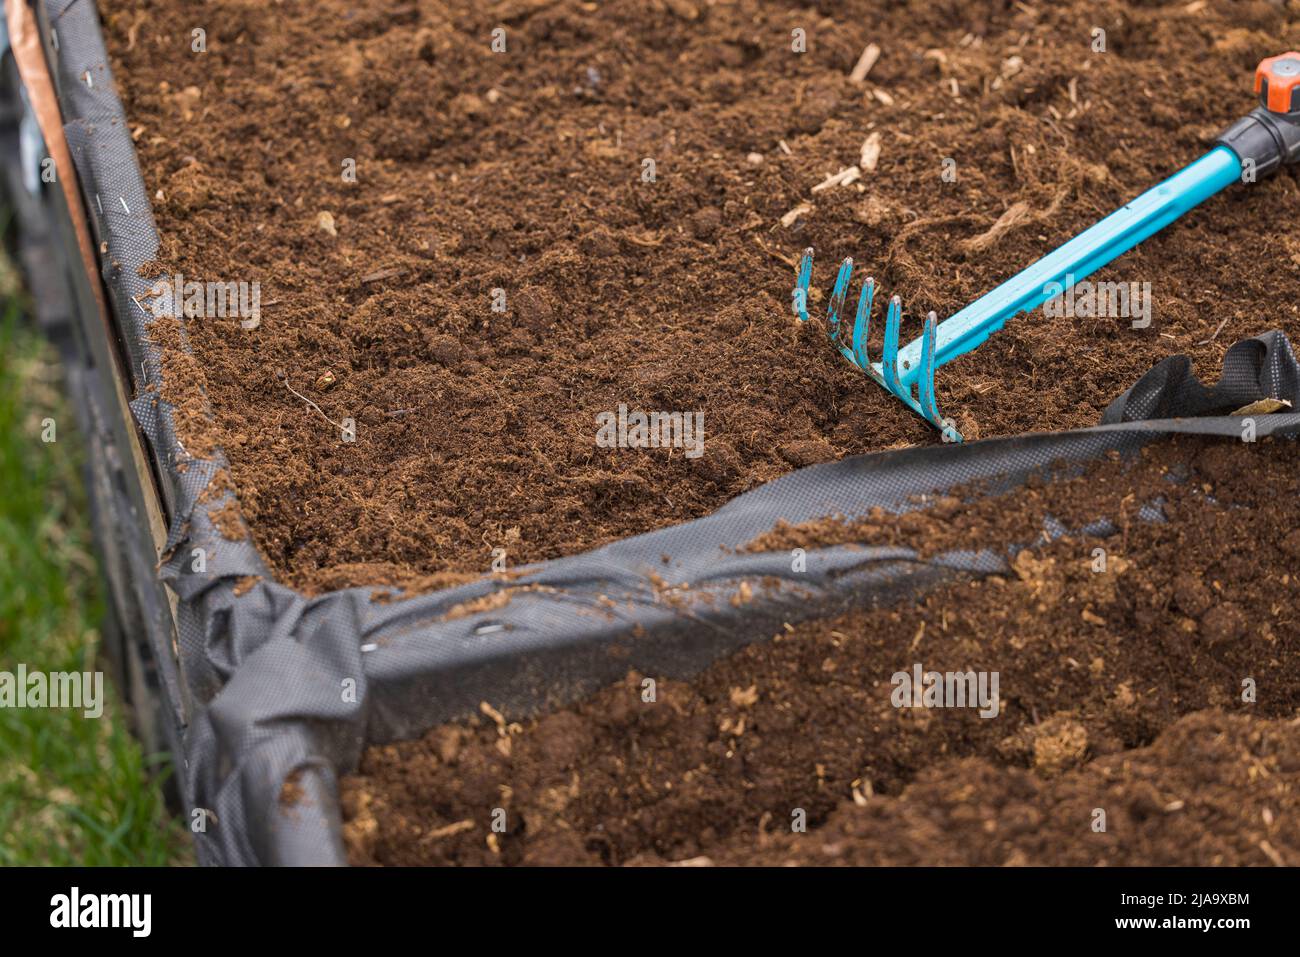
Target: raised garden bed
381, 425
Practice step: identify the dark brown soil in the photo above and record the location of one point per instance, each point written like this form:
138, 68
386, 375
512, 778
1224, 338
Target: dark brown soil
1213, 789
1121, 690
523, 171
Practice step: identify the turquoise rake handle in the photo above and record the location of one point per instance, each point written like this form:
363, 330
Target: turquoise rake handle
900, 370
1080, 257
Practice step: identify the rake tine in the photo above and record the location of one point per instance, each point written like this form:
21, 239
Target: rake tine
838, 295
889, 357
862, 324
925, 384
801, 285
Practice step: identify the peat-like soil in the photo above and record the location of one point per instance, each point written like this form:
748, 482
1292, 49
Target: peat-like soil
524, 171
1160, 687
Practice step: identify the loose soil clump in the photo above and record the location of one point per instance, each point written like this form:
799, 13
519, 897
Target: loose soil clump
1151, 674
520, 179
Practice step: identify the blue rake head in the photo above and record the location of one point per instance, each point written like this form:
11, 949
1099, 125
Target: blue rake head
887, 372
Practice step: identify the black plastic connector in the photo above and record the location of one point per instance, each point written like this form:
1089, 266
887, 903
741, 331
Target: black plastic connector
1266, 139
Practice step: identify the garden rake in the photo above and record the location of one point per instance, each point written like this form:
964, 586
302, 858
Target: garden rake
1255, 146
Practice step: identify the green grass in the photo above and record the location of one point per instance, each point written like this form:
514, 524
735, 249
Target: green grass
73, 790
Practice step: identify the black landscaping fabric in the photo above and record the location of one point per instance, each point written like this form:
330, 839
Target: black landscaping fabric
270, 684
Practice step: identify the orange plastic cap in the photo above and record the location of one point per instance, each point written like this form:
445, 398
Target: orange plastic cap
1281, 75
